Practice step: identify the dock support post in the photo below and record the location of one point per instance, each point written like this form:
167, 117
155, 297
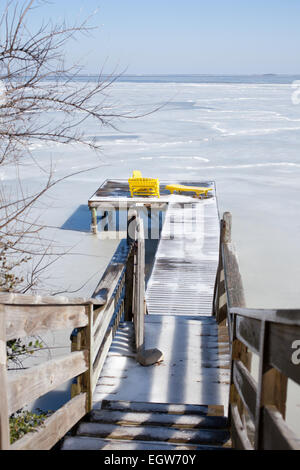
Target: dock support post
94, 225
160, 222
139, 304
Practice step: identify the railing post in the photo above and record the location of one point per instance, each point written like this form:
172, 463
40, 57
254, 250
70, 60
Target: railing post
235, 298
4, 418
83, 340
139, 304
94, 224
129, 275
220, 300
272, 386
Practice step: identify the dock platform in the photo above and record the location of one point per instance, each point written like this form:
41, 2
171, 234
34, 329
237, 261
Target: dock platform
195, 368
179, 300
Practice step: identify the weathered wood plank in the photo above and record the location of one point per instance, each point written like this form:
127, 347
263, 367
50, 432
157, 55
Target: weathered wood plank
94, 443
88, 344
113, 272
102, 326
274, 390
281, 316
31, 320
220, 309
157, 433
172, 408
101, 356
32, 383
248, 332
129, 275
233, 278
26, 299
276, 435
280, 349
139, 291
240, 440
246, 387
54, 427
185, 421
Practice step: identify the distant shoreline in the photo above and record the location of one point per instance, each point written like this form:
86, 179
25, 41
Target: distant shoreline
268, 78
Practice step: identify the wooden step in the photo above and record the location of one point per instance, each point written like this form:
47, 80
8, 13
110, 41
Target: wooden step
130, 418
154, 433
170, 408
93, 443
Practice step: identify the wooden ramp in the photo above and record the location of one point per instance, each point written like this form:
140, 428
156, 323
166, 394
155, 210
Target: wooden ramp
183, 277
180, 402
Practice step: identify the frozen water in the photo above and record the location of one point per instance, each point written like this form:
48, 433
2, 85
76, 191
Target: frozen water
245, 136
242, 133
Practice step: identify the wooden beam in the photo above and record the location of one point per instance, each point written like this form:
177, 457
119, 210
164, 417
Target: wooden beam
88, 343
248, 332
139, 314
281, 316
280, 350
233, 278
26, 299
131, 225
111, 276
29, 320
102, 326
276, 434
240, 440
220, 298
272, 385
101, 356
94, 224
245, 386
55, 427
129, 280
29, 385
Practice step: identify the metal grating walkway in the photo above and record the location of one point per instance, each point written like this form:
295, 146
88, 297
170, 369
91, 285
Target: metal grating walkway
183, 276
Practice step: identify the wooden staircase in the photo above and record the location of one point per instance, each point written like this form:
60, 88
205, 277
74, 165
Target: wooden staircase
121, 425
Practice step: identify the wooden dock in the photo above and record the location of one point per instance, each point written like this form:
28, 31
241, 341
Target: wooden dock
201, 395
186, 262
195, 371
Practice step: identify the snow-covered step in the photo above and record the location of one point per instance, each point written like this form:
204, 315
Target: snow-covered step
95, 443
158, 419
154, 433
171, 408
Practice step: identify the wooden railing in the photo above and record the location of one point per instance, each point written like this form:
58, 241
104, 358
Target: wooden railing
93, 321
256, 407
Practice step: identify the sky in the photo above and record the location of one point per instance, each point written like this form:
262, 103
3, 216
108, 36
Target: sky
183, 36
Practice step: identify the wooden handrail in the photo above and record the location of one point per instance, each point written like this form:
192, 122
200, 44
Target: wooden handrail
94, 322
24, 299
281, 316
270, 333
